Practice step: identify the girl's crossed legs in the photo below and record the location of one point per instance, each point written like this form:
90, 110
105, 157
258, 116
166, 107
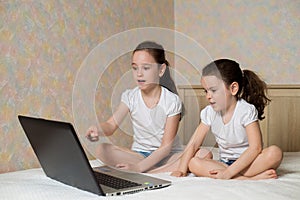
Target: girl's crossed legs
112, 155
174, 161
263, 167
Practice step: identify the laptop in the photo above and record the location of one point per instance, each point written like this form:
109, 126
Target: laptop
62, 158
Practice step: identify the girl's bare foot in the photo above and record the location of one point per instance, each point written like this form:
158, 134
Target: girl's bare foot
268, 174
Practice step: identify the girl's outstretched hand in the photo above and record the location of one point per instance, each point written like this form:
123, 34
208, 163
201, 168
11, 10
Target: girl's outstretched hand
178, 174
92, 134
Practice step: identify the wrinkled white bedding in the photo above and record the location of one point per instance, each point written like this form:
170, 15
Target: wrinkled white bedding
34, 185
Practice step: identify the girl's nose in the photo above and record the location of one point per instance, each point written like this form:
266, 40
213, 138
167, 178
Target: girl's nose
208, 95
139, 72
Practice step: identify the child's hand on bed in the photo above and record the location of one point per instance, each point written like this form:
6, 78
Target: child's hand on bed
178, 174
218, 174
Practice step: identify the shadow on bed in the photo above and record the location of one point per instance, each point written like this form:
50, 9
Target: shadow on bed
284, 172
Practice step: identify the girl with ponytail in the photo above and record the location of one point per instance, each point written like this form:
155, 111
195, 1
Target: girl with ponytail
237, 99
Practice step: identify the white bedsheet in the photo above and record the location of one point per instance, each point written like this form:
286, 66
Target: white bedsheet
34, 185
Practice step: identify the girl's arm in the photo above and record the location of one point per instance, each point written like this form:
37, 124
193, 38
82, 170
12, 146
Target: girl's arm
108, 128
191, 148
248, 156
165, 148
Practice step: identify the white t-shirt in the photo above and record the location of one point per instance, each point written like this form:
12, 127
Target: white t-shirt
149, 124
231, 137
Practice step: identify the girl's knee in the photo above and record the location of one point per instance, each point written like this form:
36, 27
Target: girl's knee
204, 154
194, 164
275, 154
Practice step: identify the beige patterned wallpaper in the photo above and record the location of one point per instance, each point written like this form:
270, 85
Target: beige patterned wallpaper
260, 35
43, 44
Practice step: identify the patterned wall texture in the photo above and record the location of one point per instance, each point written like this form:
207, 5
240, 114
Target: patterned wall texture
261, 35
43, 44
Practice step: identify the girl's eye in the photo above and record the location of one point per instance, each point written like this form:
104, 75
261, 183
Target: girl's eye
146, 66
205, 91
134, 68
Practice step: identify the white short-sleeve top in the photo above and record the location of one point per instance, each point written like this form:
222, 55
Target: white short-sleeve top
149, 123
231, 137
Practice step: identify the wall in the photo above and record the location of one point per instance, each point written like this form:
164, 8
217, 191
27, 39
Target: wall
43, 44
260, 35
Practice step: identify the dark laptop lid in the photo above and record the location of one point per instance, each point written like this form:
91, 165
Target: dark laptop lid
59, 152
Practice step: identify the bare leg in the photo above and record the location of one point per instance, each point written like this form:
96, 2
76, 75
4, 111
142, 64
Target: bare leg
263, 167
112, 155
270, 158
268, 174
201, 167
173, 163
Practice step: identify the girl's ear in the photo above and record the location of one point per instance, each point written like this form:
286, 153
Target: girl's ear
162, 70
234, 88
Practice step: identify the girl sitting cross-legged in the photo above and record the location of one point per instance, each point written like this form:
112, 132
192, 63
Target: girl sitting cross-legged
236, 102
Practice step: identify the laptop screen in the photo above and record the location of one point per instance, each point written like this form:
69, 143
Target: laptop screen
59, 152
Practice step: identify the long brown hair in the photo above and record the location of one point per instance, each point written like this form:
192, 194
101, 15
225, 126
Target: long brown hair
251, 87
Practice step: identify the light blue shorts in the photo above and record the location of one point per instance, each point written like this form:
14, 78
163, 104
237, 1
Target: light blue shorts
145, 154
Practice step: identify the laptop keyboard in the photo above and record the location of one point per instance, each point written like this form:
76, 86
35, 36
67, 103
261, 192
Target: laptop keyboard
114, 182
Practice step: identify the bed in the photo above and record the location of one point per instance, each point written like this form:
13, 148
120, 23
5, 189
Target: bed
34, 185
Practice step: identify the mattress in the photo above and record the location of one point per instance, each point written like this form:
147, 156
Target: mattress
34, 185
